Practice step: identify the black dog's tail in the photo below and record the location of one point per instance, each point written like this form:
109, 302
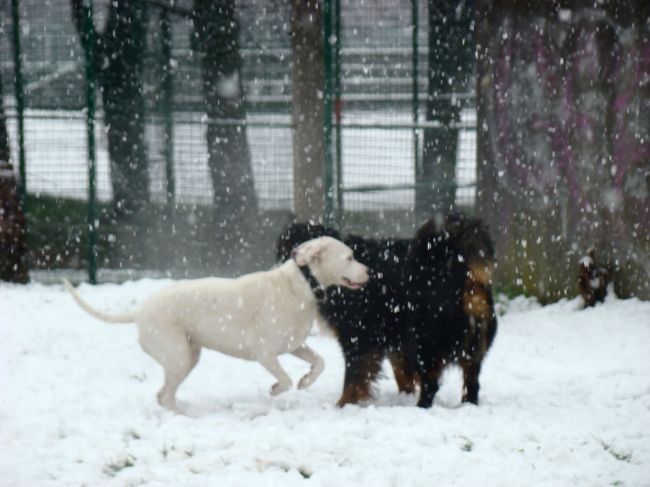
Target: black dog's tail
476, 246
466, 237
473, 242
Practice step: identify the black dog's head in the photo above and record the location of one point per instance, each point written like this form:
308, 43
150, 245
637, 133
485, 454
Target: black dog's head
434, 249
474, 243
446, 251
298, 233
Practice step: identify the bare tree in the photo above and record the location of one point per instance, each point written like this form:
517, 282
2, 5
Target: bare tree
308, 114
451, 61
119, 56
216, 40
13, 247
562, 146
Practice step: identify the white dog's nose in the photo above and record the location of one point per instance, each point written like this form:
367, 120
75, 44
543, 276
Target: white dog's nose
364, 274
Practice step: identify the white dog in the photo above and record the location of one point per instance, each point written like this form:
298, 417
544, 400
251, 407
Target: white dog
256, 317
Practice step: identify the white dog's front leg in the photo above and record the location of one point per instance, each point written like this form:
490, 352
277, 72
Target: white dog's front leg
284, 381
317, 365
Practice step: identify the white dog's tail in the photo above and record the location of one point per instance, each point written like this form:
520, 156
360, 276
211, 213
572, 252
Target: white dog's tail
122, 318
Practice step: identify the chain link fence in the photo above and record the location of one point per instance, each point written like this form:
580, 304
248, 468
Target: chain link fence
379, 77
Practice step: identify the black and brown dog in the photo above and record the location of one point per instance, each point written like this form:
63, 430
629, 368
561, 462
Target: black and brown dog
428, 304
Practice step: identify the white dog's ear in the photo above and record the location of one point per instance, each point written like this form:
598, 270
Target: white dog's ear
307, 253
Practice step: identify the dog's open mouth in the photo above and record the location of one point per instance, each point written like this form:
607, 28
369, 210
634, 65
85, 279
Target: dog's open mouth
351, 284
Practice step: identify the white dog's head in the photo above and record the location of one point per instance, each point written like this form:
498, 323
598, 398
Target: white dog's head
331, 262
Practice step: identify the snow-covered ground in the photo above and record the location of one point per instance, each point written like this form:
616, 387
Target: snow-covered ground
565, 401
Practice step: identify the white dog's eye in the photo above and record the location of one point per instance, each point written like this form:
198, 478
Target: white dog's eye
350, 258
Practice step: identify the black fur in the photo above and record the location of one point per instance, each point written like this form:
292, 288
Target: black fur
452, 319
413, 309
297, 233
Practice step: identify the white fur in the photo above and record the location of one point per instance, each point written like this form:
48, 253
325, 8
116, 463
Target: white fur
256, 317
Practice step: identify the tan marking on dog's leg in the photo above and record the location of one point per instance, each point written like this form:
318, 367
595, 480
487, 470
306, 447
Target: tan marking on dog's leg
317, 365
481, 273
359, 379
354, 394
476, 301
405, 378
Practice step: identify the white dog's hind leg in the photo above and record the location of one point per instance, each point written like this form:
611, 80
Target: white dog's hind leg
177, 356
284, 381
317, 365
175, 374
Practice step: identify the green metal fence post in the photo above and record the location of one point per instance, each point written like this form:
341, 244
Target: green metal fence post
90, 134
167, 107
416, 94
338, 106
327, 99
20, 102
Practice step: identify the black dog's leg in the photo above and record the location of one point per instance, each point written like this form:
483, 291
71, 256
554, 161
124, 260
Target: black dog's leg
428, 390
429, 385
472, 364
405, 376
361, 370
471, 371
492, 323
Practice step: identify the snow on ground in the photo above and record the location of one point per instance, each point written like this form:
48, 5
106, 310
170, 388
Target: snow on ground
565, 401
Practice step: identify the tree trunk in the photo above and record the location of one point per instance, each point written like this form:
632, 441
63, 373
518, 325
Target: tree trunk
451, 61
216, 39
308, 114
120, 51
487, 196
5, 150
13, 247
567, 141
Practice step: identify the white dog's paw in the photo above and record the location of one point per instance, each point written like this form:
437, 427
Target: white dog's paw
279, 388
312, 375
306, 381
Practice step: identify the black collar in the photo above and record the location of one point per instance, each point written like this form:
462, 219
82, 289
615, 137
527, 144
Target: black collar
316, 288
